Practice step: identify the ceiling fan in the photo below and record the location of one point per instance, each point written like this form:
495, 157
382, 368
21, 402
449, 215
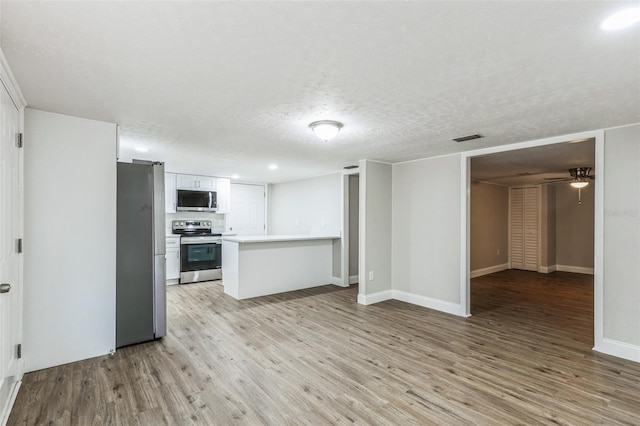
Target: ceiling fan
579, 179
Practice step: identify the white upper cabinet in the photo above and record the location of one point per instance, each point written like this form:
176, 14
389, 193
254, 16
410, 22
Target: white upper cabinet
170, 193
223, 189
198, 183
222, 186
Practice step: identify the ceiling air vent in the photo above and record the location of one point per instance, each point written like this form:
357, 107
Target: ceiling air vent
467, 138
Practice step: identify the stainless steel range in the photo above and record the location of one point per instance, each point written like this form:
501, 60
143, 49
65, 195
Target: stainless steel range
200, 251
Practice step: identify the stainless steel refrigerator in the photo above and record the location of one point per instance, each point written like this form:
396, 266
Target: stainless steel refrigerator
141, 306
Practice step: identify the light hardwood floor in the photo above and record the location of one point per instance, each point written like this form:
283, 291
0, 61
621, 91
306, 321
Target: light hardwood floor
316, 357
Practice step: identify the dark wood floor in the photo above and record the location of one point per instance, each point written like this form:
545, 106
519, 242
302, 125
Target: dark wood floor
316, 357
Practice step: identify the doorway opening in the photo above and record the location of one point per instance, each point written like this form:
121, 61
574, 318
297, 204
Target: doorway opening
531, 240
350, 228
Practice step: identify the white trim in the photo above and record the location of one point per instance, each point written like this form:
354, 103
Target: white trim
379, 161
338, 281
427, 302
598, 244
6, 411
548, 269
574, 269
427, 158
362, 230
353, 171
370, 299
305, 178
173, 281
619, 349
622, 126
465, 235
489, 270
353, 279
414, 299
10, 82
534, 143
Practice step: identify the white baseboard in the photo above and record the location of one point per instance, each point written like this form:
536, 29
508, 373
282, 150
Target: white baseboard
6, 411
403, 296
173, 281
618, 349
370, 299
490, 270
574, 269
427, 302
548, 269
353, 279
337, 281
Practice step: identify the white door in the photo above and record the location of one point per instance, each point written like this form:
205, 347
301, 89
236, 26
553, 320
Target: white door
246, 216
10, 260
525, 219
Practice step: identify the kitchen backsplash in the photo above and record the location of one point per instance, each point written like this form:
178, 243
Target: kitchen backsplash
217, 220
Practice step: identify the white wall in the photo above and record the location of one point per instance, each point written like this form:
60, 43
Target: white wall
622, 236
426, 232
70, 239
375, 231
306, 206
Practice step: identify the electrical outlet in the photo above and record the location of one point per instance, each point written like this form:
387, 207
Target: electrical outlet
297, 222
498, 253
370, 275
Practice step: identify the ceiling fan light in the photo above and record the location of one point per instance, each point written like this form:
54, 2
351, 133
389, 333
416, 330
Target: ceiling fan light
579, 184
326, 129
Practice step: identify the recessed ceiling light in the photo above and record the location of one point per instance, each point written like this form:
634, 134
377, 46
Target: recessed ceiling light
141, 149
234, 176
273, 167
622, 19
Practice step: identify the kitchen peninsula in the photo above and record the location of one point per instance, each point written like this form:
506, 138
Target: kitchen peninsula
262, 265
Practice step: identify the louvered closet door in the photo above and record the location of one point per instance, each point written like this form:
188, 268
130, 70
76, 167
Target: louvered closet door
524, 228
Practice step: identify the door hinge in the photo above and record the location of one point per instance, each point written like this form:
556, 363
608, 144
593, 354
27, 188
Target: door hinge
19, 350
19, 245
19, 141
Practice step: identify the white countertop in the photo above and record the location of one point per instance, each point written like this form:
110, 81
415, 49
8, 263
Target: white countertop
272, 238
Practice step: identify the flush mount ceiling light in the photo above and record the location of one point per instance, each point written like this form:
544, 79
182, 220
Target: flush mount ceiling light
326, 129
141, 149
235, 176
622, 19
273, 167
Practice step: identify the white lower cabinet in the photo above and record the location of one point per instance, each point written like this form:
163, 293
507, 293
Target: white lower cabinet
173, 260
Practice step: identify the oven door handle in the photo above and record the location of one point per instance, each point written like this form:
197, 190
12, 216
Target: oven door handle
187, 243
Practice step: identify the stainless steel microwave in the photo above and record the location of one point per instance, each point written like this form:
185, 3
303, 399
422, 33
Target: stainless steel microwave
197, 201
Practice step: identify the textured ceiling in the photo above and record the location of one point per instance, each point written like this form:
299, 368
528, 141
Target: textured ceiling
230, 87
534, 165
